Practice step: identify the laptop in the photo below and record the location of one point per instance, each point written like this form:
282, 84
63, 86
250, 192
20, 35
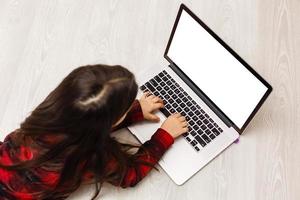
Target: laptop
208, 83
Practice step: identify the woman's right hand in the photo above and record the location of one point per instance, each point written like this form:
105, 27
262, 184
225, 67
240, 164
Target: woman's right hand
175, 125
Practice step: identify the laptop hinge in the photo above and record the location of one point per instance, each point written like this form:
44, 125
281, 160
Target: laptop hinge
206, 100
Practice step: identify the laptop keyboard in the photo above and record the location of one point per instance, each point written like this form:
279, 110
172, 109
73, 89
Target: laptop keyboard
202, 128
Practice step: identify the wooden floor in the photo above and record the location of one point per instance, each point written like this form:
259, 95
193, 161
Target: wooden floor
41, 41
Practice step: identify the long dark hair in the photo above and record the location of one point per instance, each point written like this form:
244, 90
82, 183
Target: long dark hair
82, 108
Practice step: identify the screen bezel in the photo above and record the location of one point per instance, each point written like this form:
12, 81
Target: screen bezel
197, 90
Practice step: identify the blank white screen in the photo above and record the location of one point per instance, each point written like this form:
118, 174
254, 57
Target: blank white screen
231, 86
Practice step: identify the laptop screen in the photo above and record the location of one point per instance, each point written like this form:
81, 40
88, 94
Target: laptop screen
225, 80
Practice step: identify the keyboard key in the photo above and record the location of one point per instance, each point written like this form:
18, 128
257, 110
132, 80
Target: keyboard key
164, 71
185, 134
190, 98
182, 105
189, 103
153, 82
193, 142
196, 127
169, 82
205, 121
206, 115
195, 118
175, 105
187, 118
164, 78
210, 125
167, 96
212, 136
143, 87
211, 120
171, 101
200, 132
186, 109
172, 110
174, 96
193, 133
163, 92
178, 109
170, 92
191, 114
168, 106
180, 95
156, 93
193, 102
177, 91
200, 140
215, 131
158, 88
169, 76
166, 88
207, 131
188, 139
219, 129
185, 99
161, 74
207, 140
191, 122
199, 122
196, 148
162, 84
193, 108
203, 127
201, 117
150, 87
178, 101
202, 110
197, 112
157, 79
173, 87
165, 112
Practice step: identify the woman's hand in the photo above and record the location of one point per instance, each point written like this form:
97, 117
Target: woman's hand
149, 104
175, 125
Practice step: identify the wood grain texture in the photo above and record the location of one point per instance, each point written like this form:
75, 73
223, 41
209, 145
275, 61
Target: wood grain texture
43, 40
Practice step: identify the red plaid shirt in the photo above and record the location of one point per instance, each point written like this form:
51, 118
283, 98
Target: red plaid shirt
31, 184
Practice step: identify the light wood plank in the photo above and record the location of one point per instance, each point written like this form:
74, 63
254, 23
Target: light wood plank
42, 41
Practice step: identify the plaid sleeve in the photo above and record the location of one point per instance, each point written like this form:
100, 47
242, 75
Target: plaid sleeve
13, 184
22, 184
151, 152
134, 115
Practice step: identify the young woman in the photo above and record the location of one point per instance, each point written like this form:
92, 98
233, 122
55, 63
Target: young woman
66, 142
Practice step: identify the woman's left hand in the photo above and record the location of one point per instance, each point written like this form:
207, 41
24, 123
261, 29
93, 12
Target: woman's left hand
149, 104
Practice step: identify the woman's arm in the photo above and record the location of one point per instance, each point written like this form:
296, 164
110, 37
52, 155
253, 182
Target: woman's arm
151, 152
134, 115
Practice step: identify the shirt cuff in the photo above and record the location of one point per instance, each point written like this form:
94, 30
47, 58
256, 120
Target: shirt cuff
163, 137
137, 111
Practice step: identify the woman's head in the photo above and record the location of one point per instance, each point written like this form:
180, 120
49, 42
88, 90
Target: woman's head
83, 107
88, 94
101, 89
